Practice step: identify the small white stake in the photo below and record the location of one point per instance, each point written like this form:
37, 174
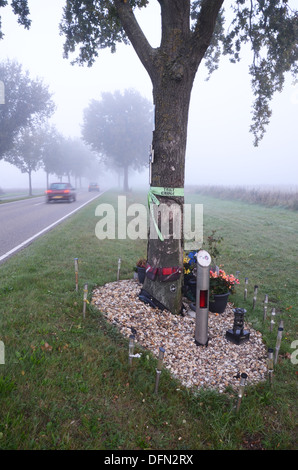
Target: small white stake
241, 390
159, 368
119, 266
278, 341
255, 297
85, 299
272, 322
77, 273
245, 290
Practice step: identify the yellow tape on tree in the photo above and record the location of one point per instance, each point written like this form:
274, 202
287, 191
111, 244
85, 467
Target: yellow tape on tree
152, 199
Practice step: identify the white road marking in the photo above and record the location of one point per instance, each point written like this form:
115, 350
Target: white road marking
29, 240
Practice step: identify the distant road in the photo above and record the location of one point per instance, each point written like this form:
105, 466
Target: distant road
21, 222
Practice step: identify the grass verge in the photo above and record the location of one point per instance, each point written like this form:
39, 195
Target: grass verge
66, 382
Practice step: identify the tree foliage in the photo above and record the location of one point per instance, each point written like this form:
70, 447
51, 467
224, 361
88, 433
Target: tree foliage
20, 8
119, 127
270, 26
27, 102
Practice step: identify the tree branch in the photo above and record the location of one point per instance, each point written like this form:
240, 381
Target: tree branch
204, 28
135, 34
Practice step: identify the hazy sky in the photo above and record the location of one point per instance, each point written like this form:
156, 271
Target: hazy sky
220, 148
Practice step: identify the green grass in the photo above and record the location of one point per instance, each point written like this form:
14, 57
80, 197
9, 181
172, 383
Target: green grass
17, 195
66, 382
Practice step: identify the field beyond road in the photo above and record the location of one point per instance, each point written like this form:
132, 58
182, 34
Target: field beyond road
66, 383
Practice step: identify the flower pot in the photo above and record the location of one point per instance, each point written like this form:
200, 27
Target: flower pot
189, 288
141, 274
220, 303
193, 286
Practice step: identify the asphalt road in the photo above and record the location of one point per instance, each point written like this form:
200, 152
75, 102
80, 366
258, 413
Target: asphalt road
21, 222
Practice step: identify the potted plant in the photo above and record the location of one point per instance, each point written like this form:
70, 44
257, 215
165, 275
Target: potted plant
189, 270
221, 286
141, 269
213, 241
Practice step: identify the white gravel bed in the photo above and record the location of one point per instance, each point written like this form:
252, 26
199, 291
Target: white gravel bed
216, 366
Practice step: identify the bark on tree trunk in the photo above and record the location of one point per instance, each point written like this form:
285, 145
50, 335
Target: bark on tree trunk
172, 68
171, 99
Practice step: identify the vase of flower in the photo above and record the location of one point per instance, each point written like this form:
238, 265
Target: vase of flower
189, 270
221, 286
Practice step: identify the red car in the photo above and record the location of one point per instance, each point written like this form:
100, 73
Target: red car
61, 192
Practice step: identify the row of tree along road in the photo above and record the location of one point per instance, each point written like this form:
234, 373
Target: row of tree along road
115, 131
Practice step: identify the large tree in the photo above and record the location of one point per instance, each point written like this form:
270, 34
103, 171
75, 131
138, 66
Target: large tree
119, 127
26, 101
191, 31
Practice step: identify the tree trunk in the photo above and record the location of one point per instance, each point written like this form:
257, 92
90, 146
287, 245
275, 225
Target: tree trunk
172, 68
171, 99
125, 179
30, 183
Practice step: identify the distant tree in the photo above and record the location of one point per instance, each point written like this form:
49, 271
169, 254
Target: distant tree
52, 151
27, 152
119, 128
77, 158
27, 102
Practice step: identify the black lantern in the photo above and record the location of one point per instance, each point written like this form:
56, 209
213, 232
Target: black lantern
238, 334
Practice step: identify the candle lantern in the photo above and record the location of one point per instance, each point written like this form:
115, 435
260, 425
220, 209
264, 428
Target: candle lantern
238, 334
131, 346
265, 307
245, 290
241, 390
255, 297
270, 364
278, 341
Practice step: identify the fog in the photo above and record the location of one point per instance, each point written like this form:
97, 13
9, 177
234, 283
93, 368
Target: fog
220, 148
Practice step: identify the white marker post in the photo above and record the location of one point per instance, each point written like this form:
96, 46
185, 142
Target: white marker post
119, 266
272, 322
202, 297
245, 289
255, 297
85, 299
77, 273
270, 365
278, 341
265, 307
159, 368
